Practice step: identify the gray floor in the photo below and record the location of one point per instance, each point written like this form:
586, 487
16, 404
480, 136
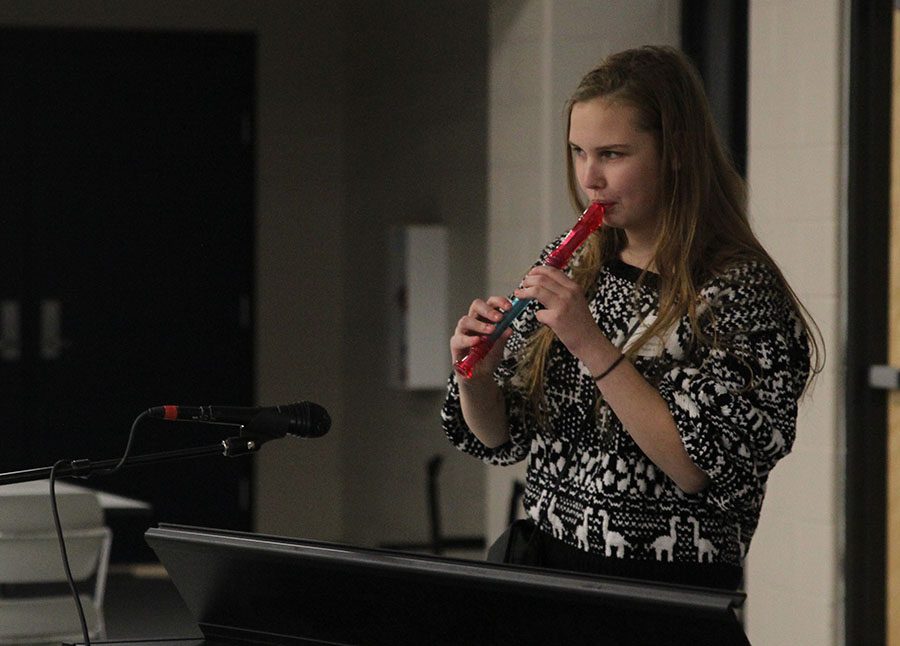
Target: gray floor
142, 603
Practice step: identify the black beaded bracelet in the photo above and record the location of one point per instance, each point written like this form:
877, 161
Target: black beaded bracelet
610, 369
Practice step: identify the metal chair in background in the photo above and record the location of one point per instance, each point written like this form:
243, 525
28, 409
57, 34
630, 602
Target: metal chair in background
439, 543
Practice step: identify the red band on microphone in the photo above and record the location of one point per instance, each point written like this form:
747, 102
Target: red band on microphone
170, 412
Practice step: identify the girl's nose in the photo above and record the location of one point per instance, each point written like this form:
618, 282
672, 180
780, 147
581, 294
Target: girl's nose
593, 176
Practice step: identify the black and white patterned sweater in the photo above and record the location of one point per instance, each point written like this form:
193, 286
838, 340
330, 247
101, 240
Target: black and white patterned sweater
735, 406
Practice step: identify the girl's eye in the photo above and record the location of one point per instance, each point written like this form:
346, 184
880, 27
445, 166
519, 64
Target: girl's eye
611, 154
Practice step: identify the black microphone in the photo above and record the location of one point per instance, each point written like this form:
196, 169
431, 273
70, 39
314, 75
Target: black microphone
302, 419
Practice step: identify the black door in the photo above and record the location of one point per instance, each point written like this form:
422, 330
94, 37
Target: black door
131, 253
13, 233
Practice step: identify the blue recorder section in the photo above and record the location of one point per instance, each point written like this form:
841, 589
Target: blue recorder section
518, 306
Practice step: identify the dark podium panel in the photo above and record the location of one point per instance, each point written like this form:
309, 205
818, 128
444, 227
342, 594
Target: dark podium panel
266, 589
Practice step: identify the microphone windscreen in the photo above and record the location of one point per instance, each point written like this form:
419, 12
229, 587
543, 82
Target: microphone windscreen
303, 419
308, 420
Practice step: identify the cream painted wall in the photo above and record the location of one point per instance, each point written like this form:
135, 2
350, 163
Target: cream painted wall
415, 154
795, 151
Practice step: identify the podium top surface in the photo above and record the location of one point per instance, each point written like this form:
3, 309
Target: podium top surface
301, 591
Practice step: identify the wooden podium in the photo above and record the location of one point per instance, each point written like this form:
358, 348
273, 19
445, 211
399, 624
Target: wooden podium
264, 589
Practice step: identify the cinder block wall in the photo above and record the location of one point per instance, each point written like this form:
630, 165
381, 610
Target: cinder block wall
794, 169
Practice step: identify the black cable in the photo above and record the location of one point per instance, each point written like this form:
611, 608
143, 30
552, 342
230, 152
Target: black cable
62, 549
59, 533
128, 444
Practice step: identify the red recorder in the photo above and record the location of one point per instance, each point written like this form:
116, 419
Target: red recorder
589, 222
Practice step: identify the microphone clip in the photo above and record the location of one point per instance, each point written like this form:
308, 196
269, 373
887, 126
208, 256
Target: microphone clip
243, 444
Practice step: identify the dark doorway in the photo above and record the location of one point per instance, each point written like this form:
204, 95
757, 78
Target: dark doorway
127, 206
714, 35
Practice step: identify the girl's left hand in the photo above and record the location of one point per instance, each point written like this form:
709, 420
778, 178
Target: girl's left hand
566, 310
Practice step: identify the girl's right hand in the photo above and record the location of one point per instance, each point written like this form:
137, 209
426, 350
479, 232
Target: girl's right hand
481, 319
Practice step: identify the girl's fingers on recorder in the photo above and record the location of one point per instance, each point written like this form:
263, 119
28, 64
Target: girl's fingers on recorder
490, 310
470, 328
481, 319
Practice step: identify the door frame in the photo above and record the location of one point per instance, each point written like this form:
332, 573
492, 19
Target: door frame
866, 232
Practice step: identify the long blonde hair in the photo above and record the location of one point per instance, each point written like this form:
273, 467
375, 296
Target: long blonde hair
703, 224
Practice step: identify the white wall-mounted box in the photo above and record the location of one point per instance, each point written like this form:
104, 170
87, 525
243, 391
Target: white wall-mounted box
418, 288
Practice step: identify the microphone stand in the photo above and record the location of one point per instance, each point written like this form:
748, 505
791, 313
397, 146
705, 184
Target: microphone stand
230, 447
244, 443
